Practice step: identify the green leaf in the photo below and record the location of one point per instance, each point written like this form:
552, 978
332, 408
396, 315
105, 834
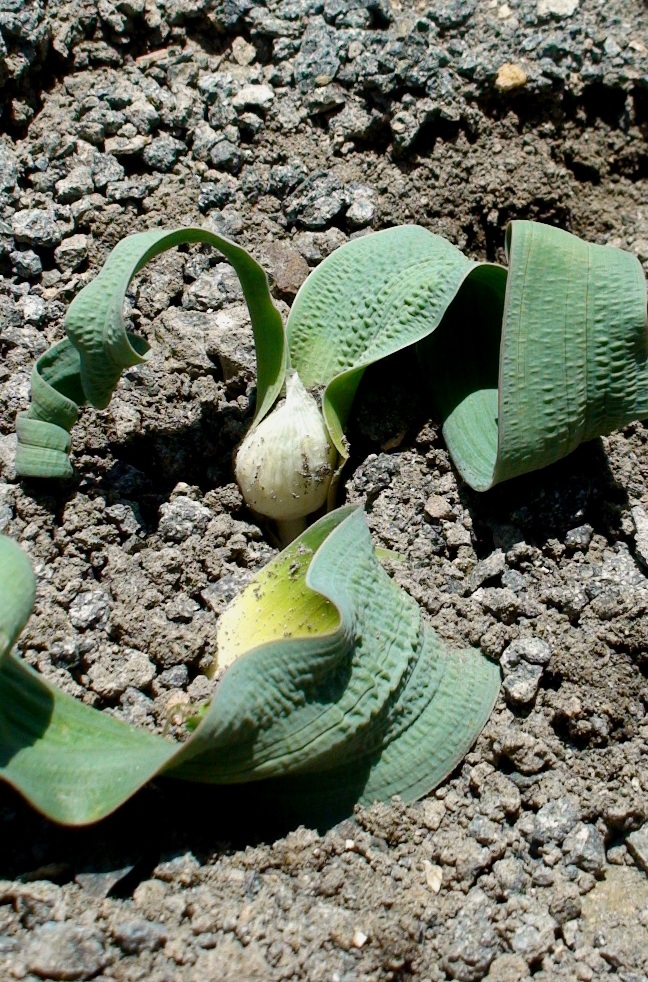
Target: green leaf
569, 331
88, 366
16, 593
524, 365
370, 298
73, 763
349, 686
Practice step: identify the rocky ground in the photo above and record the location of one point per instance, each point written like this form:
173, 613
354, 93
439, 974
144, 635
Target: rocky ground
292, 125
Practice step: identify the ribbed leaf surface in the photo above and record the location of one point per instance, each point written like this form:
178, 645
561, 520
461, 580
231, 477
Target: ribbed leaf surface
371, 700
371, 298
524, 364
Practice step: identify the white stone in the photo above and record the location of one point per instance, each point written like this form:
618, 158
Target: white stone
433, 876
253, 97
559, 8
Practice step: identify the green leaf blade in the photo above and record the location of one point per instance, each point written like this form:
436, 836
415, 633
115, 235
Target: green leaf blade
17, 591
339, 694
88, 365
346, 701
574, 361
73, 763
369, 299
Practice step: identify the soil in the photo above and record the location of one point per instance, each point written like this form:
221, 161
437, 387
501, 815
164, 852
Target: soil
532, 858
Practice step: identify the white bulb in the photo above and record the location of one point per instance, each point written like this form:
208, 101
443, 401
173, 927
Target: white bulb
285, 464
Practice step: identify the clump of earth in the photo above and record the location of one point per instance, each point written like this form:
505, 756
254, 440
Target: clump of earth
293, 126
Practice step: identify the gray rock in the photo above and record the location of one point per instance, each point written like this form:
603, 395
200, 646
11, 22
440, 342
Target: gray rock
508, 968
127, 146
362, 209
9, 169
499, 601
213, 289
315, 246
557, 8
534, 651
72, 252
132, 668
86, 207
215, 85
354, 122
127, 517
565, 904
175, 677
579, 538
513, 580
257, 97
451, 13
243, 52
89, 609
182, 609
511, 876
487, 569
640, 519
143, 116
132, 188
222, 114
136, 936
217, 194
324, 99
534, 937
264, 23
585, 848
231, 343
483, 830
318, 60
555, 820
77, 184
285, 177
474, 941
226, 156
163, 152
352, 13
26, 264
203, 139
65, 951
106, 168
521, 684
37, 227
99, 884
181, 518
637, 843
405, 127
316, 202
32, 308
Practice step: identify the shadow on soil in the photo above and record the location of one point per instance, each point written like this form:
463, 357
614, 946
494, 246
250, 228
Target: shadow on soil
165, 819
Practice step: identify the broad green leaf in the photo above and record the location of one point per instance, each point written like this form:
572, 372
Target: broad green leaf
569, 331
374, 296
523, 364
73, 763
361, 694
88, 365
16, 592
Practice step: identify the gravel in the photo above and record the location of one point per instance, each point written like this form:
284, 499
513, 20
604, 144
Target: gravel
292, 126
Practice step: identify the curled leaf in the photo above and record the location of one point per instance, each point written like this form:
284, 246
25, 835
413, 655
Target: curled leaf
524, 364
87, 366
336, 686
